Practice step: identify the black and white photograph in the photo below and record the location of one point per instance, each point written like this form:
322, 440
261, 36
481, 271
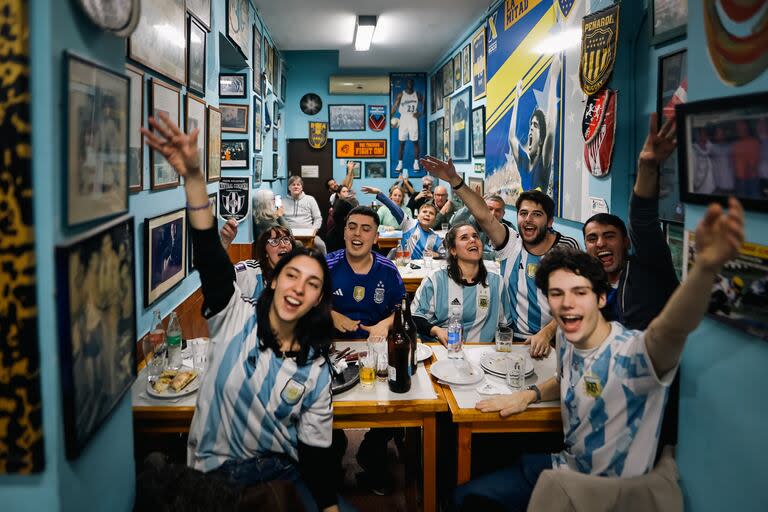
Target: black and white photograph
214, 144
375, 169
163, 51
460, 134
256, 61
669, 19
232, 85
723, 150
96, 301
257, 126
165, 253
201, 10
135, 120
97, 145
196, 118
346, 118
234, 118
235, 197
167, 99
196, 57
671, 90
239, 25
478, 132
234, 154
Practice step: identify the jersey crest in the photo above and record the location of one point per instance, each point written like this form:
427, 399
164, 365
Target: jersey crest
318, 134
378, 293
292, 392
482, 303
531, 270
358, 293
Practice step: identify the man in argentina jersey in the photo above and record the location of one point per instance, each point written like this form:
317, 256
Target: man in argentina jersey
612, 382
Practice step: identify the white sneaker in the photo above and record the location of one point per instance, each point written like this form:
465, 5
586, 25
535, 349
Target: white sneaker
399, 165
415, 165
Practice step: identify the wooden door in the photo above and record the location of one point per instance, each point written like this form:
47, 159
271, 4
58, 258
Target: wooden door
300, 153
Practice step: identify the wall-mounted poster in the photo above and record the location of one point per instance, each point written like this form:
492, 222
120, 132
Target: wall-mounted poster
466, 66
672, 90
669, 19
258, 162
257, 128
235, 197
239, 25
234, 154
165, 254
214, 144
201, 10
97, 145
478, 132
408, 119
478, 64
196, 118
159, 40
96, 303
460, 125
362, 148
196, 36
457, 74
346, 118
375, 169
167, 99
135, 120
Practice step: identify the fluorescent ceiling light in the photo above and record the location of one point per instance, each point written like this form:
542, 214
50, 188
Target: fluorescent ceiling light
364, 29
559, 41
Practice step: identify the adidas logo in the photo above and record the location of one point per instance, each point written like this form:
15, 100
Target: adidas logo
338, 292
455, 302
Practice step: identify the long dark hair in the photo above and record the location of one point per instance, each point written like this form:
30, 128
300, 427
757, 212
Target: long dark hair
454, 271
261, 249
315, 329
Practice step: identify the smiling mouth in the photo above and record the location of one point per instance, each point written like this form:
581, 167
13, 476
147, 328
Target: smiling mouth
292, 304
280, 254
356, 243
474, 248
606, 257
529, 230
571, 323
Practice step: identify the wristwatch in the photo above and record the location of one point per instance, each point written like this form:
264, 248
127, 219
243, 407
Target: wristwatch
536, 390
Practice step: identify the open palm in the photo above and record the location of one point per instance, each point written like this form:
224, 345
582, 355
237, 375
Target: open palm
719, 235
179, 148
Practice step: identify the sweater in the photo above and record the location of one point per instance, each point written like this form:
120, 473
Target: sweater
302, 212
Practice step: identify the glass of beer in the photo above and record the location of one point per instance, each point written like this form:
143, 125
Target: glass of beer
503, 339
367, 364
378, 344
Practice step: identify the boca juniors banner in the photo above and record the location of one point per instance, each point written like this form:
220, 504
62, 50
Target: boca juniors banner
408, 120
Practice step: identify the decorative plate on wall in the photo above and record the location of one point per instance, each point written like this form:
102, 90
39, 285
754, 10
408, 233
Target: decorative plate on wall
117, 16
311, 104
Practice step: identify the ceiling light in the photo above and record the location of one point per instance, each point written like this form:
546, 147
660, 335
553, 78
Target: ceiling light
364, 32
559, 41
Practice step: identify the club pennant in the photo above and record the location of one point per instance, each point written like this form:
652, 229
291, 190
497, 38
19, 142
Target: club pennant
599, 34
565, 6
377, 117
318, 134
599, 130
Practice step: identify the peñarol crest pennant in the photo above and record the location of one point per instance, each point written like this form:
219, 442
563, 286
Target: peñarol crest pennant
318, 134
599, 34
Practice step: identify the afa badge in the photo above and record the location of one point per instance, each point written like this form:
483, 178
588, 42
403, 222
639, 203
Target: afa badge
482, 301
592, 385
531, 270
358, 293
599, 34
318, 134
378, 294
292, 392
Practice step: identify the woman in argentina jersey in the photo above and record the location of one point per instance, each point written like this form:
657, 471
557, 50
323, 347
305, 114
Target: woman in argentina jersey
264, 409
465, 284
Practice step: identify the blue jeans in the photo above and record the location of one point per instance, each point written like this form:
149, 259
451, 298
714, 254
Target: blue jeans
510, 488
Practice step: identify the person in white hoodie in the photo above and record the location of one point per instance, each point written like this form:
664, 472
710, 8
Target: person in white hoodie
301, 210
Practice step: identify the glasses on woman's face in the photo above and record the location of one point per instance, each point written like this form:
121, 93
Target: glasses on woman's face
274, 242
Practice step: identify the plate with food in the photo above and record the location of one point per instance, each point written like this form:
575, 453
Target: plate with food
174, 383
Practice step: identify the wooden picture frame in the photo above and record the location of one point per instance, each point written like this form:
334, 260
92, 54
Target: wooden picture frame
196, 117
97, 148
669, 19
165, 254
233, 85
234, 154
346, 118
238, 26
196, 45
671, 76
234, 118
256, 64
147, 47
201, 10
478, 132
163, 98
214, 144
135, 121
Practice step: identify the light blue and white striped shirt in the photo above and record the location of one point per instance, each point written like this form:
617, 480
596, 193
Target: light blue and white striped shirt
249, 278
416, 239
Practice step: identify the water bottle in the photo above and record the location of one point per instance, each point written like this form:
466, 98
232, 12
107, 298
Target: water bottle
157, 334
455, 334
173, 340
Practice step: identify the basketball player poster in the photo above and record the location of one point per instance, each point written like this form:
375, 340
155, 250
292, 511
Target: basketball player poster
408, 123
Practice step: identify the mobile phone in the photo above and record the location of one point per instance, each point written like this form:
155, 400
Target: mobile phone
278, 201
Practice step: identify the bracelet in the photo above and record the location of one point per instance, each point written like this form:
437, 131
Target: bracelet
457, 187
196, 208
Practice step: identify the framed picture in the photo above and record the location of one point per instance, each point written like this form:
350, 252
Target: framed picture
258, 162
669, 19
268, 56
275, 137
672, 79
346, 118
283, 85
460, 135
376, 169
214, 144
457, 72
719, 145
238, 25
135, 121
234, 118
97, 141
232, 85
257, 124
196, 36
477, 184
164, 98
466, 66
196, 118
448, 78
357, 167
96, 306
201, 10
212, 205
234, 154
478, 64
165, 254
446, 144
438, 153
155, 49
478, 132
275, 166
276, 70
256, 61
439, 90
432, 137
432, 94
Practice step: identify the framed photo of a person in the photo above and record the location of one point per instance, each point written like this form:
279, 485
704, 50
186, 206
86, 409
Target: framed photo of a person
234, 154
232, 85
238, 25
478, 64
439, 90
448, 78
156, 49
201, 10
477, 184
135, 120
460, 125
346, 118
164, 98
196, 36
466, 65
196, 118
257, 127
457, 75
478, 132
214, 144
356, 168
723, 150
97, 141
669, 19
256, 61
672, 86
438, 152
375, 169
165, 254
234, 118
96, 306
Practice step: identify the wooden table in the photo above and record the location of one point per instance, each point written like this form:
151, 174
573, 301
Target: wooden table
388, 242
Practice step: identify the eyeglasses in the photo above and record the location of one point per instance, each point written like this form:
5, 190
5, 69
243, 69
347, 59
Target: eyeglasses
285, 240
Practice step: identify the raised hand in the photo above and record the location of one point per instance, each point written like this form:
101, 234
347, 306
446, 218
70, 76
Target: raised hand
228, 233
658, 144
440, 169
370, 190
179, 148
719, 235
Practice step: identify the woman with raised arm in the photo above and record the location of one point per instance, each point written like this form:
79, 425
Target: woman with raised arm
264, 408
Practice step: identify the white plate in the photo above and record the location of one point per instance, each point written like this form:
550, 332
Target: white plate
497, 363
423, 352
457, 371
170, 393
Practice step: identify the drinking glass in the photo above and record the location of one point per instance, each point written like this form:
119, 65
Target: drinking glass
156, 365
406, 257
367, 363
444, 227
427, 258
378, 344
199, 354
503, 339
516, 371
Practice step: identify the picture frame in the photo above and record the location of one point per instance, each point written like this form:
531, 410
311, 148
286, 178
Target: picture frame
97, 148
196, 118
448, 78
439, 134
674, 232
276, 119
357, 169
96, 317
457, 74
258, 164
234, 118
375, 169
669, 19
466, 65
432, 137
346, 118
479, 75
165, 254
718, 150
283, 85
672, 75
201, 10
432, 90
233, 85
196, 42
439, 90
234, 154
164, 98
256, 61
212, 205
146, 45
276, 69
268, 61
257, 125
477, 184
478, 132
135, 121
461, 105
214, 144
275, 166
238, 25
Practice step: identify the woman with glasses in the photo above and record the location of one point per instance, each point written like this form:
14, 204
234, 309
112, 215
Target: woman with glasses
264, 409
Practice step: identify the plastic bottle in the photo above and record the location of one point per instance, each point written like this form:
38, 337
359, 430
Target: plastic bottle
455, 334
157, 334
173, 340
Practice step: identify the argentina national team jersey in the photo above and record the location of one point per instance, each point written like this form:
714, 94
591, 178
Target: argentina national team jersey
483, 308
252, 402
612, 405
416, 240
249, 278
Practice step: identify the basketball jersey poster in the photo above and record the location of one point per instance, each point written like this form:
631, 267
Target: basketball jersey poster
408, 122
234, 197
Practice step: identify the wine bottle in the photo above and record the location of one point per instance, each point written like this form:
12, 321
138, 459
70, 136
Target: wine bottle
398, 354
410, 328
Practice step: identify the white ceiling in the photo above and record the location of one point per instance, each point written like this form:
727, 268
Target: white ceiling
410, 34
